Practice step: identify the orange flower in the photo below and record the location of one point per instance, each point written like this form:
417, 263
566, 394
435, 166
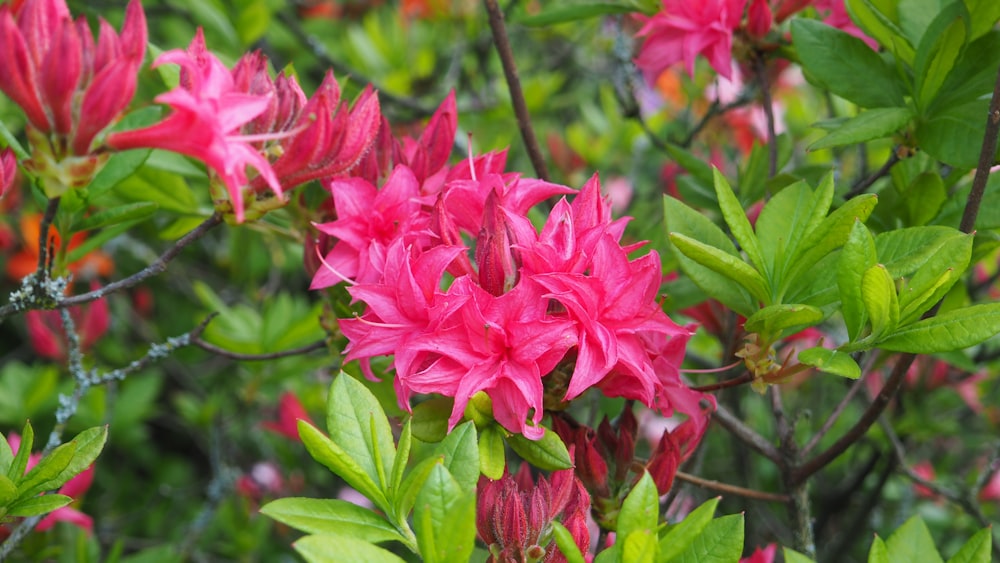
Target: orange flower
93, 264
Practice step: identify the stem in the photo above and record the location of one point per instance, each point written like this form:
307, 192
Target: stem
861, 426
318, 345
832, 419
860, 187
760, 69
986, 158
747, 377
514, 86
732, 489
737, 428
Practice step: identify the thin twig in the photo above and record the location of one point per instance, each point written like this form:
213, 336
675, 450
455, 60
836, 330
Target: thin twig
832, 419
860, 187
744, 433
514, 86
986, 158
318, 345
732, 489
862, 425
747, 377
43, 235
760, 69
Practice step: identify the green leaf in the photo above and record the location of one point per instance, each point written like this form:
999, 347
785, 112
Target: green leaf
905, 251
8, 492
785, 221
828, 236
43, 476
430, 419
20, 462
857, 256
877, 20
954, 134
792, 556
35, 506
359, 426
953, 330
866, 126
567, 545
831, 361
444, 518
878, 552
844, 65
912, 542
412, 484
342, 549
933, 280
723, 263
640, 509
401, 460
938, 50
976, 550
983, 15
331, 516
773, 319
682, 219
336, 459
737, 220
639, 547
6, 455
568, 12
253, 21
115, 215
96, 241
878, 293
924, 198
461, 455
681, 535
721, 541
121, 165
491, 453
547, 453
701, 174
974, 72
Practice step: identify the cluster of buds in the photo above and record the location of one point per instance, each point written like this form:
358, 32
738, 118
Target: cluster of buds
515, 516
69, 87
607, 465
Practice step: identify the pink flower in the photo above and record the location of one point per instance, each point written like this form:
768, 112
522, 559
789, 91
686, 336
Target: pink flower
8, 170
74, 488
290, 412
47, 335
765, 555
991, 492
836, 16
66, 84
208, 112
759, 18
685, 29
925, 471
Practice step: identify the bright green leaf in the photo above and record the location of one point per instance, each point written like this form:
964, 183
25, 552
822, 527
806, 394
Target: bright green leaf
723, 263
737, 220
773, 319
444, 518
878, 293
877, 20
567, 545
866, 126
722, 540
342, 549
574, 11
878, 552
952, 330
857, 256
6, 455
831, 361
8, 492
933, 280
402, 458
412, 484
640, 509
116, 215
912, 542
20, 462
331, 516
36, 506
548, 453
639, 547
792, 556
461, 455
359, 426
977, 549
680, 536
905, 251
336, 459
938, 50
492, 460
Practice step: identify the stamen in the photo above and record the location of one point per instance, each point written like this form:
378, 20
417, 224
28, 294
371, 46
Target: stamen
472, 165
379, 325
327, 265
713, 370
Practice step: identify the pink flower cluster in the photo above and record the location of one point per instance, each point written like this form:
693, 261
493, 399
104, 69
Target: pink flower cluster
468, 296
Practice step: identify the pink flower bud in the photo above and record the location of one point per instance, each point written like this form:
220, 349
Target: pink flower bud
758, 18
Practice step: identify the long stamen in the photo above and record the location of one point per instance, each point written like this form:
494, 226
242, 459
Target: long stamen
379, 325
327, 265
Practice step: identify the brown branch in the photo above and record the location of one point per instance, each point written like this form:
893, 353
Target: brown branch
514, 86
747, 377
744, 433
986, 158
732, 489
43, 235
860, 187
318, 345
760, 69
832, 419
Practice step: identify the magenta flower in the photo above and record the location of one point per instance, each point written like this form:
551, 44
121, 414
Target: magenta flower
290, 412
8, 170
46, 332
684, 30
208, 112
835, 15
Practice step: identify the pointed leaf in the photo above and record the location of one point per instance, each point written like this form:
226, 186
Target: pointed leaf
792, 556
547, 453
359, 426
329, 548
881, 27
461, 455
878, 552
737, 220
953, 330
866, 126
36, 506
444, 518
6, 455
831, 361
331, 516
639, 547
640, 510
567, 545
904, 251
721, 541
116, 215
785, 221
935, 277
491, 453
857, 256
912, 542
976, 550
682, 219
336, 459
20, 462
412, 484
773, 319
878, 292
828, 236
46, 471
938, 50
401, 460
681, 535
723, 263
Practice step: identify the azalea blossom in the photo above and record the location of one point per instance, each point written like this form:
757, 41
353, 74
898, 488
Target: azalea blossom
208, 112
290, 412
683, 30
47, 334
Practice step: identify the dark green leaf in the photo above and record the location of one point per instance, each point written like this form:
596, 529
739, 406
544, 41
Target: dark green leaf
924, 198
121, 165
954, 134
866, 126
547, 453
953, 330
116, 215
904, 251
938, 50
430, 419
974, 72
844, 65
331, 516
